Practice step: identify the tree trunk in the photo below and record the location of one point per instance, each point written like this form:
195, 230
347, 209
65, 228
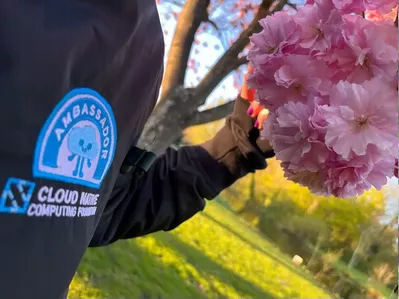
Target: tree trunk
178, 105
357, 256
166, 122
366, 240
361, 252
252, 189
316, 249
193, 14
251, 204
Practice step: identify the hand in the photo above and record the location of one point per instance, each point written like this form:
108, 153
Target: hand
250, 125
250, 115
237, 145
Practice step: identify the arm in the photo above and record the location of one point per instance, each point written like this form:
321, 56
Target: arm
177, 184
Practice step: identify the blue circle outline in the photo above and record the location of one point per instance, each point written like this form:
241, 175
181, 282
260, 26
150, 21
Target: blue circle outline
57, 177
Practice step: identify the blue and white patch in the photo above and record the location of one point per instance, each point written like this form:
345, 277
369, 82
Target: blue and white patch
78, 141
16, 196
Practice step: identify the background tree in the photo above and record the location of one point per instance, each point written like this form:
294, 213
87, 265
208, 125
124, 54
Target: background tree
232, 22
349, 244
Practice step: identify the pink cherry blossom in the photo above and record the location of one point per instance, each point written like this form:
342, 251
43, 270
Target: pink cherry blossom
350, 6
313, 180
293, 137
326, 5
301, 75
341, 62
293, 80
319, 26
330, 83
345, 178
279, 36
262, 80
374, 49
382, 6
357, 119
358, 6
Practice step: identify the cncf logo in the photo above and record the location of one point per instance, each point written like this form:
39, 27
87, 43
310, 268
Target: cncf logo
78, 141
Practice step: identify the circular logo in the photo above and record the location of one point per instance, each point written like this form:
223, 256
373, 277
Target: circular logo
78, 141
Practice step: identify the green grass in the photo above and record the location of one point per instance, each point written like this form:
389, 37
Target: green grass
363, 279
213, 255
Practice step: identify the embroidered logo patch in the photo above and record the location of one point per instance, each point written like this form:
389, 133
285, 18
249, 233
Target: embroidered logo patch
16, 196
78, 141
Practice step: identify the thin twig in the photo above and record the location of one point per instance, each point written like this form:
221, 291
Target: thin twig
292, 5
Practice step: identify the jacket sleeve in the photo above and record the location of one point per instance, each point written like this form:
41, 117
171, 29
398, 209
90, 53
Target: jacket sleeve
176, 186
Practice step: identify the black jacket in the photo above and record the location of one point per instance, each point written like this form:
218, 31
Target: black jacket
78, 80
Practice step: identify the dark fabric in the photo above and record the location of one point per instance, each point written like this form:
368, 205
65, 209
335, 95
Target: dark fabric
246, 136
237, 145
48, 48
175, 187
171, 192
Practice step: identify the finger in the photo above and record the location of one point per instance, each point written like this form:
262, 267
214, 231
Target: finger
254, 109
262, 117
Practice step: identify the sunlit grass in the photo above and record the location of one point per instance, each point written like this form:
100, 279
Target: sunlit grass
363, 279
214, 255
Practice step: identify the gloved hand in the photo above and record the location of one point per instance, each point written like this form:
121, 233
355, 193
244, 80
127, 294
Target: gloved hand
238, 145
255, 110
251, 124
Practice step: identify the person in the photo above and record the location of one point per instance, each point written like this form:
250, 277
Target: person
78, 81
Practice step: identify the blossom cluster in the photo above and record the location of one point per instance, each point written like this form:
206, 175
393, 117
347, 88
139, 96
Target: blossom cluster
328, 76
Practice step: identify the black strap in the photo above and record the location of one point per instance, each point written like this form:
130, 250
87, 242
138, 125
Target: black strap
137, 161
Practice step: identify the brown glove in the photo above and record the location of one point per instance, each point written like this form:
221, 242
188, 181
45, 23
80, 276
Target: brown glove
237, 145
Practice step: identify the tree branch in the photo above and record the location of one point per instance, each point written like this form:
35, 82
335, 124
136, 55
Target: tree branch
209, 115
239, 62
225, 64
279, 6
193, 14
169, 116
292, 5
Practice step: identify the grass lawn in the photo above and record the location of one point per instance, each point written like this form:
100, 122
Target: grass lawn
364, 280
213, 255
